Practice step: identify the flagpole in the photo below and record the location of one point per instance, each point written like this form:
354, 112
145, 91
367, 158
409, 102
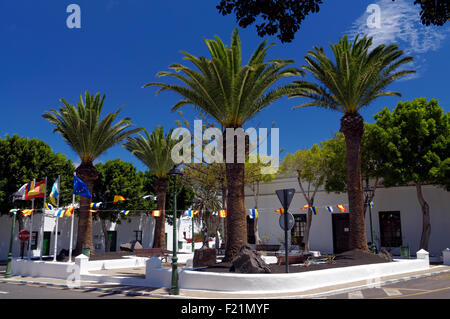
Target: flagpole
71, 230
57, 219
31, 227
41, 230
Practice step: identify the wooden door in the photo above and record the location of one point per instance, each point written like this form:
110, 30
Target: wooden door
341, 228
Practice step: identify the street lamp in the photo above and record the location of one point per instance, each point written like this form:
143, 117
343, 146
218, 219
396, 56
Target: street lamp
369, 193
174, 290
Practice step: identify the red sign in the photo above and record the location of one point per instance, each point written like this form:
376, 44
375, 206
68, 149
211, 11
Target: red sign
24, 235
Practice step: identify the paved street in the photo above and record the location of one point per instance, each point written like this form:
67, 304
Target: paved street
433, 287
28, 291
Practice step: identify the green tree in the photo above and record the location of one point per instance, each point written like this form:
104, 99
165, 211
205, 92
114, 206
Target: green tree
117, 177
154, 150
231, 94
418, 149
355, 78
89, 136
22, 160
309, 165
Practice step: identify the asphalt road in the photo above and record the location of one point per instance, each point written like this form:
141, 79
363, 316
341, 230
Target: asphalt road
433, 287
12, 290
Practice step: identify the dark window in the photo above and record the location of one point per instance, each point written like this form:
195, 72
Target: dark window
298, 231
138, 234
34, 240
390, 229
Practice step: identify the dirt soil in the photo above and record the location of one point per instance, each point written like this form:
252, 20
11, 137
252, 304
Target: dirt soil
346, 259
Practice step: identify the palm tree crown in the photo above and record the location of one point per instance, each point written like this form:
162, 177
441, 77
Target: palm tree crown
356, 77
154, 150
83, 130
224, 89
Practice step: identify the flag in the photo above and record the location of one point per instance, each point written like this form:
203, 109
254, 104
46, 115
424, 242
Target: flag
342, 208
69, 211
371, 204
125, 212
14, 211
215, 213
54, 194
118, 198
191, 213
253, 213
93, 211
222, 213
48, 206
156, 213
96, 205
27, 212
279, 211
305, 207
330, 209
35, 190
20, 194
60, 213
80, 188
314, 210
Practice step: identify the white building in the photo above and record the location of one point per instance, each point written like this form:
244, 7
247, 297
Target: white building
396, 217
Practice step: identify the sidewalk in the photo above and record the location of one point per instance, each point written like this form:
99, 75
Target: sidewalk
191, 294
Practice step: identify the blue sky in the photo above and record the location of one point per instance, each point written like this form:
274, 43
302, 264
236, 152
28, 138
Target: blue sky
123, 44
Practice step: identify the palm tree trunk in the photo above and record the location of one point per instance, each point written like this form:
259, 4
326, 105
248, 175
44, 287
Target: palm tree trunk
236, 217
88, 174
426, 225
352, 125
161, 186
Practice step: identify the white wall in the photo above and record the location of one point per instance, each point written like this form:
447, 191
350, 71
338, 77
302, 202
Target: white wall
403, 199
124, 232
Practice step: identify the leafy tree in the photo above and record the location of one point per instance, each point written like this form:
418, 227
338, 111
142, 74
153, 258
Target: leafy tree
89, 136
202, 178
351, 82
22, 160
284, 17
154, 150
119, 178
418, 149
230, 93
309, 165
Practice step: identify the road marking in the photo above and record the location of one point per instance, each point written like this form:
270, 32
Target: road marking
355, 295
418, 293
392, 292
4, 292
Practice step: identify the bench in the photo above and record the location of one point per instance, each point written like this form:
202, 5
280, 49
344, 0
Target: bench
152, 252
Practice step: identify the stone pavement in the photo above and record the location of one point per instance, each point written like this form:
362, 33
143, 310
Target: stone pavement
194, 294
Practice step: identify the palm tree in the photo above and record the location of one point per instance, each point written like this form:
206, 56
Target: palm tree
223, 89
89, 136
358, 75
154, 150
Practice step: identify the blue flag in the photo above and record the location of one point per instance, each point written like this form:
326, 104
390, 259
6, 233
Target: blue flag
80, 188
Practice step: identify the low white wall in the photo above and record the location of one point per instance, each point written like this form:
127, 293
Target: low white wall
292, 282
48, 269
115, 263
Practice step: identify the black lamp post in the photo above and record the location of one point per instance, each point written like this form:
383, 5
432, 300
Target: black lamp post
369, 193
174, 290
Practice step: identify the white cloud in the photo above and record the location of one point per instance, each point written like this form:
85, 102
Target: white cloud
401, 25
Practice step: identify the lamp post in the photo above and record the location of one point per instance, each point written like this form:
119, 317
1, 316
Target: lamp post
174, 290
369, 193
